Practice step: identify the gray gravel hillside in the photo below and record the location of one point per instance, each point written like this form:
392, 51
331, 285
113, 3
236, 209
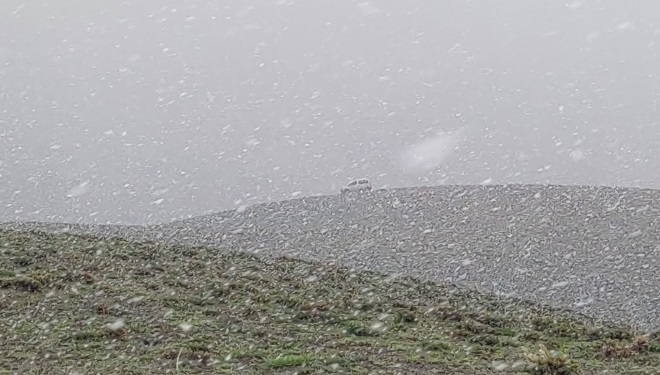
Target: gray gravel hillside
588, 248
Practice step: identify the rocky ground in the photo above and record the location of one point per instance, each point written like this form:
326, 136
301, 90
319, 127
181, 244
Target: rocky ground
592, 249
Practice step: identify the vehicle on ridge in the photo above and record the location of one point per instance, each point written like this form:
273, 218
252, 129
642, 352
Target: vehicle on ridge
359, 185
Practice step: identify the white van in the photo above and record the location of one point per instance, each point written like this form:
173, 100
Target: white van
362, 184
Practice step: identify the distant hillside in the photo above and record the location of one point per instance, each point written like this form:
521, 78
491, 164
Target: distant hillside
589, 248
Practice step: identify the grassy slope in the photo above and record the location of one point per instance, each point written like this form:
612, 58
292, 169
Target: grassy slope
70, 303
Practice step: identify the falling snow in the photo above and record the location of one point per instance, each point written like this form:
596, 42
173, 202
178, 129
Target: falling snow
432, 152
505, 150
79, 190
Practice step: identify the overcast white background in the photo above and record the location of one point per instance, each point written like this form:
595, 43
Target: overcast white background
151, 110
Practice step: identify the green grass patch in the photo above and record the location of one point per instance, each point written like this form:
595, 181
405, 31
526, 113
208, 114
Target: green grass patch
80, 304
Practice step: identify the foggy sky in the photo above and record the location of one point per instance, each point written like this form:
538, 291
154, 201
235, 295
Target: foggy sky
151, 110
